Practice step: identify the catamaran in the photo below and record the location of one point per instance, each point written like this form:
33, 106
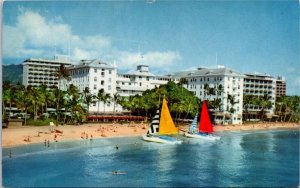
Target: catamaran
205, 129
161, 127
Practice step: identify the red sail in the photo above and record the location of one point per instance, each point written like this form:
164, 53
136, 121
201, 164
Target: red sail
205, 125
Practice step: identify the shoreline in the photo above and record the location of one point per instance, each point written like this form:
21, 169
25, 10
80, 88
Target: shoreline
19, 136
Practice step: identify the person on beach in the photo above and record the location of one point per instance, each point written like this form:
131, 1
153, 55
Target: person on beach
10, 155
45, 142
48, 143
91, 137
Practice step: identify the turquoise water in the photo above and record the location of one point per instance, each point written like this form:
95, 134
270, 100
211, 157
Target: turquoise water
252, 159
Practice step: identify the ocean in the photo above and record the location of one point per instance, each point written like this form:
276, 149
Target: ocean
239, 159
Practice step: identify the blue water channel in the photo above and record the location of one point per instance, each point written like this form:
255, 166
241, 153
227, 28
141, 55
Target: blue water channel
252, 159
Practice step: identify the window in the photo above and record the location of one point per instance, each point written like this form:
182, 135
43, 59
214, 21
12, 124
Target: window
95, 79
102, 82
102, 73
95, 70
95, 86
109, 87
109, 72
109, 79
140, 83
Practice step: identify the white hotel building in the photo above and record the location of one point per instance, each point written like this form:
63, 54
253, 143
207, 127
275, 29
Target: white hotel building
38, 71
95, 75
231, 81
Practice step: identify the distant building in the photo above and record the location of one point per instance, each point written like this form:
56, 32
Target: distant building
228, 81
95, 75
259, 85
38, 71
137, 81
280, 86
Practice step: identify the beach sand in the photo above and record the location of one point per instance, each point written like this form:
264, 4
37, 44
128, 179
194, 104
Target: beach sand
14, 136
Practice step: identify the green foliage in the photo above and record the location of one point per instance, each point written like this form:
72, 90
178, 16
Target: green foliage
181, 102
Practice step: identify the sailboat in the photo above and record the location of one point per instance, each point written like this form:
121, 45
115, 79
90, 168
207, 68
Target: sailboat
161, 127
205, 129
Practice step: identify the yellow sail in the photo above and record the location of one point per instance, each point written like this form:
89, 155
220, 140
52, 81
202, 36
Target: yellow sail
166, 124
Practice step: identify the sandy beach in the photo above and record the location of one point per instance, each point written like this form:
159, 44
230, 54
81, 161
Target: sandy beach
14, 136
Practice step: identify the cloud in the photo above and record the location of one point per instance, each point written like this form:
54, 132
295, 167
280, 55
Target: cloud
32, 31
34, 36
153, 59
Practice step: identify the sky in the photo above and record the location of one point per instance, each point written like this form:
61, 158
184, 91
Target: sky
169, 36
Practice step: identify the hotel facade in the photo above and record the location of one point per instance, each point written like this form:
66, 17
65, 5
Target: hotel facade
228, 81
38, 71
97, 75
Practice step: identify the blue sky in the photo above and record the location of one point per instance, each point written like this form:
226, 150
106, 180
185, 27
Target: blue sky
169, 36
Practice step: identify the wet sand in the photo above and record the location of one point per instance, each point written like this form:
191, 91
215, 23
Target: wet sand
14, 136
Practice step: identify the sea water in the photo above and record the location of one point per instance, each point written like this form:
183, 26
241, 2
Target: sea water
252, 159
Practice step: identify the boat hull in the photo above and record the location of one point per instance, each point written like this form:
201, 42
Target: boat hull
202, 136
162, 139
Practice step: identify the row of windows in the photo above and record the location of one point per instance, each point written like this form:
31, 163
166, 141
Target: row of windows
96, 88
95, 79
206, 79
80, 71
102, 71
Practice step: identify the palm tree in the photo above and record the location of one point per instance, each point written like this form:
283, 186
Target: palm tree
265, 104
106, 99
206, 90
295, 108
62, 73
88, 98
116, 100
8, 96
74, 102
99, 97
232, 102
247, 101
282, 104
23, 101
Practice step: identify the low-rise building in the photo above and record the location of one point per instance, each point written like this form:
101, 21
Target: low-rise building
135, 82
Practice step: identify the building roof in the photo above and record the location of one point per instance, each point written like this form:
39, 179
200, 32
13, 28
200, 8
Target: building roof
39, 60
208, 72
141, 70
93, 63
